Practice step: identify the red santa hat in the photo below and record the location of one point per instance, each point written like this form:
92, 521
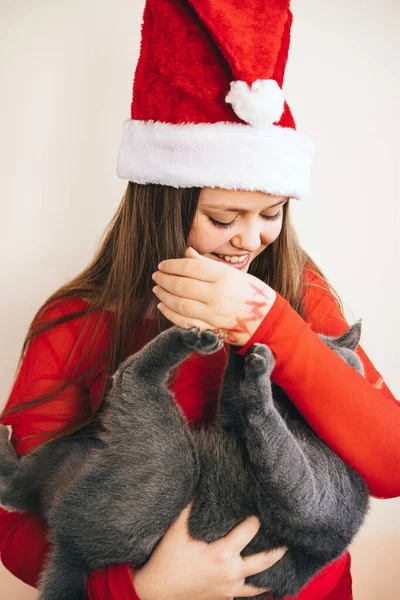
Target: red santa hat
208, 108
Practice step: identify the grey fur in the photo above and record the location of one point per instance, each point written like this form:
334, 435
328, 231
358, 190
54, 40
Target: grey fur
109, 499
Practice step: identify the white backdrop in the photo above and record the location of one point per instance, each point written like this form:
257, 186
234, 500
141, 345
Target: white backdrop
66, 73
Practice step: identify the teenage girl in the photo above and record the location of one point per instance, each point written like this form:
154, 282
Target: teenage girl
202, 237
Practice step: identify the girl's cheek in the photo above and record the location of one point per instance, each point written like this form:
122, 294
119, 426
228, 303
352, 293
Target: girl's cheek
272, 235
205, 238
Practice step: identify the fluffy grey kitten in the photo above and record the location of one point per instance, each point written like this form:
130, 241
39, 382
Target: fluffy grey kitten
108, 499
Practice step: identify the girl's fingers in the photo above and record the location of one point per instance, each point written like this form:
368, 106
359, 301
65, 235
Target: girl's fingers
238, 538
181, 321
184, 308
256, 563
184, 287
205, 270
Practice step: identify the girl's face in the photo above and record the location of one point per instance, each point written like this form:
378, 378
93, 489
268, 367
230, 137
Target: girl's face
235, 223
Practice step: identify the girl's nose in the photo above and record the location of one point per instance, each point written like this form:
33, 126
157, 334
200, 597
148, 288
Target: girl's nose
248, 239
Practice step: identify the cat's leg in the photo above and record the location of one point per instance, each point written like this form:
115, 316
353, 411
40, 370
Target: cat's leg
139, 395
313, 502
277, 460
284, 477
229, 412
140, 405
168, 349
149, 451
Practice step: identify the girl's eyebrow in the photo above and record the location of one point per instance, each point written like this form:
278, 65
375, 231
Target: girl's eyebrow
238, 209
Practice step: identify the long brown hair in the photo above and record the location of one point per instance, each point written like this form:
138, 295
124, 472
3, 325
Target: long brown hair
151, 224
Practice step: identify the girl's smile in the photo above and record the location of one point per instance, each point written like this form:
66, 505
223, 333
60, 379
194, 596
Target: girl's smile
238, 264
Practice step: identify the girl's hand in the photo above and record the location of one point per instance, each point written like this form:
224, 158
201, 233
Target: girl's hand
181, 567
200, 292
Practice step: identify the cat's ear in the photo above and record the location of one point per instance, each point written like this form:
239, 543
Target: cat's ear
351, 338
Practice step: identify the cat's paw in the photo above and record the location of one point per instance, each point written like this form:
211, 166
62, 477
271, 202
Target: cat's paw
4, 434
259, 360
205, 342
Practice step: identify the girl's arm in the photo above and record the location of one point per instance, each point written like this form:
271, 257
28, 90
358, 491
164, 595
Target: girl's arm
357, 417
23, 537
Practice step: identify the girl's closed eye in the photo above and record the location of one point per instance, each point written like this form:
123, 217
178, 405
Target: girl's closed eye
231, 224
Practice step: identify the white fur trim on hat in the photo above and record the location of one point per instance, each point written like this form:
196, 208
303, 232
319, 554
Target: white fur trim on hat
272, 159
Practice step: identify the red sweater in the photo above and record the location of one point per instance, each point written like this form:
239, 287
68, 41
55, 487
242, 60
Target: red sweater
358, 418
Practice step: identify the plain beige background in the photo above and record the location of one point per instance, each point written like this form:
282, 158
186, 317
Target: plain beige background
66, 78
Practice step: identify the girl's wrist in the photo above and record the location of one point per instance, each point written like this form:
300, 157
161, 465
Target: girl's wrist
248, 326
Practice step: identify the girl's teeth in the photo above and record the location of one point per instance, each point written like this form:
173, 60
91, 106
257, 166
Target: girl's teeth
232, 259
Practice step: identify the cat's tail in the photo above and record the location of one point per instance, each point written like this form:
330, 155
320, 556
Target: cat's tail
9, 464
63, 577
17, 483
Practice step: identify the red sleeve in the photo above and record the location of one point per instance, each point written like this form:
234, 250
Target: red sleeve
23, 537
357, 417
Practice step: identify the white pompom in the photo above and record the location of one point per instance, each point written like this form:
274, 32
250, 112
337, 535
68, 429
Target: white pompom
261, 104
